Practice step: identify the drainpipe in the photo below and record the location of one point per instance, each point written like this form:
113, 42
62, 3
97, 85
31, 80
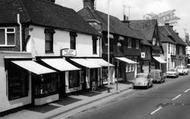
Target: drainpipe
20, 31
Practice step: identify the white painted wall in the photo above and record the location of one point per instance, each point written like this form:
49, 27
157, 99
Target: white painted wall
36, 44
5, 104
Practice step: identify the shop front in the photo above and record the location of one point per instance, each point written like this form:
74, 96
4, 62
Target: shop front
90, 76
159, 63
69, 75
126, 69
43, 81
104, 70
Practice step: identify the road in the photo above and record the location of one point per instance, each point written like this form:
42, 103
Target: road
170, 100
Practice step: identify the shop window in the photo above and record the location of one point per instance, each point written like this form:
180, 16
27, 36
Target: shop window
18, 82
73, 36
45, 85
74, 79
49, 40
94, 44
7, 37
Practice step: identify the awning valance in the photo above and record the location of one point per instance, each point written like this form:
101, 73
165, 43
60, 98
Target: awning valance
85, 63
124, 59
100, 62
159, 59
33, 67
60, 64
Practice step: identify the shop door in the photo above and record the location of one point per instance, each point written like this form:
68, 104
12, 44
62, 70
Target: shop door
61, 84
93, 78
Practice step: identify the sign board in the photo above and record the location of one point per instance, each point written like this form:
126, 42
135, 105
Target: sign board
142, 54
68, 52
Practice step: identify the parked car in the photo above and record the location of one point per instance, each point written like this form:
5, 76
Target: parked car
157, 75
172, 73
143, 80
182, 70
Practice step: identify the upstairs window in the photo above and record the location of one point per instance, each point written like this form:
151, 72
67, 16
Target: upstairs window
129, 43
73, 36
7, 37
49, 40
137, 44
94, 44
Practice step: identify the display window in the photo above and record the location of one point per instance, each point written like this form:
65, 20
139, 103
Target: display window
18, 82
74, 79
45, 85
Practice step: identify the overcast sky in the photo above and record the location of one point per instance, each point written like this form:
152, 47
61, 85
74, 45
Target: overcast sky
138, 8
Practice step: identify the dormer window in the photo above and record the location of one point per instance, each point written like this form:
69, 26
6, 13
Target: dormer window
7, 36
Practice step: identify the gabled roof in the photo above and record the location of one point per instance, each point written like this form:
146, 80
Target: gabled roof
116, 26
165, 35
43, 13
147, 27
175, 36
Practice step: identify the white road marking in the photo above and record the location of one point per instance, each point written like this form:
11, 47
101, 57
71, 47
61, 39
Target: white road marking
176, 97
159, 108
187, 90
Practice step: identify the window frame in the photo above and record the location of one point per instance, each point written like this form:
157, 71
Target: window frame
129, 45
73, 36
49, 31
6, 36
94, 45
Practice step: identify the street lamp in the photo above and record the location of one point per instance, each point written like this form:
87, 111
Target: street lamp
108, 36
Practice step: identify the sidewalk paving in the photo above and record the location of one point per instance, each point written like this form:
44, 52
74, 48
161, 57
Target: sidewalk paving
67, 104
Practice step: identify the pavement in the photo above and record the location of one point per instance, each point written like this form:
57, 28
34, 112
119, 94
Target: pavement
68, 103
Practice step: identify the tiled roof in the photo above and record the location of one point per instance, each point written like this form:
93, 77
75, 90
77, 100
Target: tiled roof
43, 13
147, 27
165, 35
176, 37
116, 26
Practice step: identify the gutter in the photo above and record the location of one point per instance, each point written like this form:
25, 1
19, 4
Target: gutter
20, 29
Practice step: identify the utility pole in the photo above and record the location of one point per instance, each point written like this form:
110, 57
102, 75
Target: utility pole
108, 36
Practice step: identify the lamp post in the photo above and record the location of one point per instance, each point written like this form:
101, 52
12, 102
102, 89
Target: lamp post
108, 36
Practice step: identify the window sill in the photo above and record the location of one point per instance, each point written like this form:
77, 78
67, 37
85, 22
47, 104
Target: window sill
7, 46
49, 52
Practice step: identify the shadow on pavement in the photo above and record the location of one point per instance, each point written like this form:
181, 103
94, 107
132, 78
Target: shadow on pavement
43, 109
67, 100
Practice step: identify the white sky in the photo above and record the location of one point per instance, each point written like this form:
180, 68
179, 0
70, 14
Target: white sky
140, 8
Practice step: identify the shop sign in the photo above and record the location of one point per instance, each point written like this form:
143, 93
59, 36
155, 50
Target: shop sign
68, 52
142, 54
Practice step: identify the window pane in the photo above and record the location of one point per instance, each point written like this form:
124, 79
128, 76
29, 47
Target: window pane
10, 30
2, 36
48, 42
11, 39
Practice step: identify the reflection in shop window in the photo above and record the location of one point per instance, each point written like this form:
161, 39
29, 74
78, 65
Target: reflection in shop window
46, 84
74, 79
18, 82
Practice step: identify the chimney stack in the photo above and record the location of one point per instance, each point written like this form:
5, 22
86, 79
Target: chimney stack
89, 4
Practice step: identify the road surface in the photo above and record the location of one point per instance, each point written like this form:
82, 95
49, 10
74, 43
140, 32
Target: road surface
170, 100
